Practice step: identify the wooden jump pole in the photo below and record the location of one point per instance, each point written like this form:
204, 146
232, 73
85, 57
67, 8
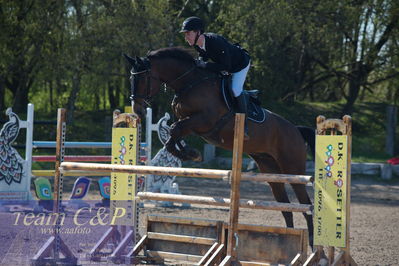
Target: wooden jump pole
224, 202
143, 169
232, 237
277, 178
71, 167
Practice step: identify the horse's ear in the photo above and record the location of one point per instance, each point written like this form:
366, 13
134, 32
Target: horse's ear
131, 60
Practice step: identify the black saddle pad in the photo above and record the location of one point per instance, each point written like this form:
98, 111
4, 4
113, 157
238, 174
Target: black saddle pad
256, 113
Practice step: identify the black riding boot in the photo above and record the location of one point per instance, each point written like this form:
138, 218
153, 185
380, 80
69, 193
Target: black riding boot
242, 108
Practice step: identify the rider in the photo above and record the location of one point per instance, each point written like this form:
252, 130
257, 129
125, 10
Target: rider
226, 57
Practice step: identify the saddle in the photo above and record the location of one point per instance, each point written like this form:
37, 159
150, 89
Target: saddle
255, 112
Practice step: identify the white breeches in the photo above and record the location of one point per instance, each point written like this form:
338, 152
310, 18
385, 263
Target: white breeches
238, 80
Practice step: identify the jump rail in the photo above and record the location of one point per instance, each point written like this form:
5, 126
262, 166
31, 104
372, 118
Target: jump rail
73, 158
141, 169
188, 172
223, 202
72, 144
50, 173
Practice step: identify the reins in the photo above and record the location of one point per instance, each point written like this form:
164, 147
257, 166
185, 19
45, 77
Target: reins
181, 76
192, 85
147, 96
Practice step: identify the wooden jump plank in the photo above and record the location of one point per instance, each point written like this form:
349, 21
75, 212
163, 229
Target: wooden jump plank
208, 254
45, 250
218, 253
139, 246
41, 257
277, 178
181, 238
223, 202
253, 263
142, 169
100, 244
66, 251
296, 260
173, 256
115, 256
226, 261
271, 229
180, 220
311, 259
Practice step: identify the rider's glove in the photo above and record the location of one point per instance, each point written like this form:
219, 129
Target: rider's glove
200, 63
224, 72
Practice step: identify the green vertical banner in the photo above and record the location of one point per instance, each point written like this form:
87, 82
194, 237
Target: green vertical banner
330, 190
123, 185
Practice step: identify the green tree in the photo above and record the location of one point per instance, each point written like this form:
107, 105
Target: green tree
26, 29
322, 50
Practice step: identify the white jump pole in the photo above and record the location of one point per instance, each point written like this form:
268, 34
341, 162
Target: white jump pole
28, 124
149, 127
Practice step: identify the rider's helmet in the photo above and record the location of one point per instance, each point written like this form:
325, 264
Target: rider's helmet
193, 23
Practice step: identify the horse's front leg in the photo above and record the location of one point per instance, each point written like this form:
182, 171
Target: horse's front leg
179, 130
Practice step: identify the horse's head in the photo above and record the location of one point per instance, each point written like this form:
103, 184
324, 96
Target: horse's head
144, 84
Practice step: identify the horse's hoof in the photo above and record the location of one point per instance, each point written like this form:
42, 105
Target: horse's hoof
194, 155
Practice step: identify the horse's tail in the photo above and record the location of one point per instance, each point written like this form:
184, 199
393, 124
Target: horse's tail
309, 135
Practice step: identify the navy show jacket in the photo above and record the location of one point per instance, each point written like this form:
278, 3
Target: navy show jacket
225, 55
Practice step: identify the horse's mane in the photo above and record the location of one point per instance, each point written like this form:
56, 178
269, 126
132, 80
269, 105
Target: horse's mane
172, 52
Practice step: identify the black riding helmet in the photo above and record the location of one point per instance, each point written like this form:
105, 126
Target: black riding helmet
193, 23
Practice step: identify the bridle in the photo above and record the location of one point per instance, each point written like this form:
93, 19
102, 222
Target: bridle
147, 96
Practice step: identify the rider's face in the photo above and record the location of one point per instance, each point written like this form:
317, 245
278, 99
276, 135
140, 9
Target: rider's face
189, 36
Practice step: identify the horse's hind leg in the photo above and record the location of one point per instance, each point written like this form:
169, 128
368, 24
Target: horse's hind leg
303, 198
296, 167
280, 194
267, 164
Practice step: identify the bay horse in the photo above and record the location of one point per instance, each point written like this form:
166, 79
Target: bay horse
276, 145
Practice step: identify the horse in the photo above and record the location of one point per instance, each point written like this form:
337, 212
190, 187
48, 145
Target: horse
276, 145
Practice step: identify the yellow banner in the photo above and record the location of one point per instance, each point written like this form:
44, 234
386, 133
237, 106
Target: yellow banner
128, 109
330, 190
123, 185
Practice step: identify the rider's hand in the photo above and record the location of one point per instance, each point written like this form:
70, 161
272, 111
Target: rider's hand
200, 63
224, 72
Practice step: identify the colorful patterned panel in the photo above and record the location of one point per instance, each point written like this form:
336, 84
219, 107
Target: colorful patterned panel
80, 188
43, 188
105, 185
